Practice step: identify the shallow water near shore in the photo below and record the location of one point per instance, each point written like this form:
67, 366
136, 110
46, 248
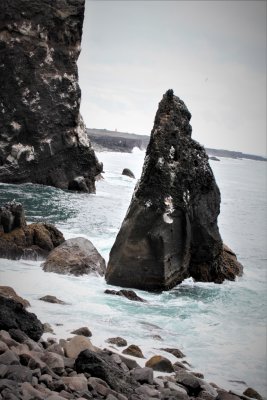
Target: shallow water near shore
220, 328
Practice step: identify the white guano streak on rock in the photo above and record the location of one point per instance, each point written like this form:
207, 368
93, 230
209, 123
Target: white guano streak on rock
168, 201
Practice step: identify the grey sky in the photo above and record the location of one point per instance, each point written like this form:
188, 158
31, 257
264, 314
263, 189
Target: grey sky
212, 53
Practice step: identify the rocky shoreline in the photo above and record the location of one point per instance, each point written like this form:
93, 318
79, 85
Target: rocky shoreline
32, 367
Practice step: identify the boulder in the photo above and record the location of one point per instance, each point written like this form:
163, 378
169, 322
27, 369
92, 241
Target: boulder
75, 256
14, 316
129, 294
42, 134
52, 299
175, 352
118, 341
143, 375
159, 363
128, 172
101, 365
9, 293
170, 231
134, 351
20, 240
252, 393
12, 216
75, 345
84, 331
75, 383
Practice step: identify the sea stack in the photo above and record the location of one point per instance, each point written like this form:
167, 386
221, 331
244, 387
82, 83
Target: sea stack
42, 135
170, 231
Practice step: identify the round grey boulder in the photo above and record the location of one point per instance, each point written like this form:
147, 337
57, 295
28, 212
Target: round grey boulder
75, 256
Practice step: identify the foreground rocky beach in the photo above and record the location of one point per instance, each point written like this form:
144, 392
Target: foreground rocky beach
32, 367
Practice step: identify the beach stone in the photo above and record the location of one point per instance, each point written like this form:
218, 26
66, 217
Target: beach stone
148, 392
47, 328
19, 373
100, 365
84, 331
9, 358
53, 361
52, 299
250, 392
75, 345
170, 231
223, 395
176, 388
56, 348
178, 365
3, 347
129, 294
46, 379
175, 352
192, 384
131, 364
14, 316
7, 339
77, 257
143, 375
75, 383
134, 351
9, 293
160, 363
128, 172
118, 341
206, 395
29, 392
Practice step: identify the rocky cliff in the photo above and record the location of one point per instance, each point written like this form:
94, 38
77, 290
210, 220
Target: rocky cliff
170, 231
42, 135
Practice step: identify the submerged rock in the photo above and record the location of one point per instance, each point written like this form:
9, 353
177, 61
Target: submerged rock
42, 135
75, 256
129, 294
170, 230
19, 240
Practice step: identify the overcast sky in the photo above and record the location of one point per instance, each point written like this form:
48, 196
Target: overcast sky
211, 53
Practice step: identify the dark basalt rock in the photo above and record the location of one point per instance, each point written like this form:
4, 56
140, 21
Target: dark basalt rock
129, 294
42, 136
101, 365
76, 256
14, 316
19, 240
170, 230
128, 172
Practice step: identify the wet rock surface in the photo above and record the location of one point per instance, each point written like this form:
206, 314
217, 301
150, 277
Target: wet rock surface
170, 231
19, 240
77, 257
9, 293
129, 294
75, 369
128, 172
42, 135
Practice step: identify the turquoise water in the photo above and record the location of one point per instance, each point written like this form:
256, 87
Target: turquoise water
220, 328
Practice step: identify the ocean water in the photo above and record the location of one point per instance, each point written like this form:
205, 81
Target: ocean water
220, 328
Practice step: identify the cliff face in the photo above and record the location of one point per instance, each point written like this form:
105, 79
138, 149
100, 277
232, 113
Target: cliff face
42, 135
170, 231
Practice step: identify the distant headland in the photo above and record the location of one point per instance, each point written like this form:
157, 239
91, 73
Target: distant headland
104, 139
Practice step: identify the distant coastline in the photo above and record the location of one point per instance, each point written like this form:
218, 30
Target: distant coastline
107, 140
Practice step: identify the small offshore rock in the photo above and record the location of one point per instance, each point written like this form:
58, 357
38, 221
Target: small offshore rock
175, 352
9, 293
84, 331
47, 327
118, 341
76, 256
52, 299
213, 158
129, 294
134, 351
160, 363
128, 172
75, 345
250, 392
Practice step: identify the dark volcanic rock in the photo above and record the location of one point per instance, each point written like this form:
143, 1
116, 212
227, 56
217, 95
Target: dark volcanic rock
31, 242
42, 136
9, 293
52, 299
14, 316
101, 365
128, 172
129, 294
75, 256
170, 230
